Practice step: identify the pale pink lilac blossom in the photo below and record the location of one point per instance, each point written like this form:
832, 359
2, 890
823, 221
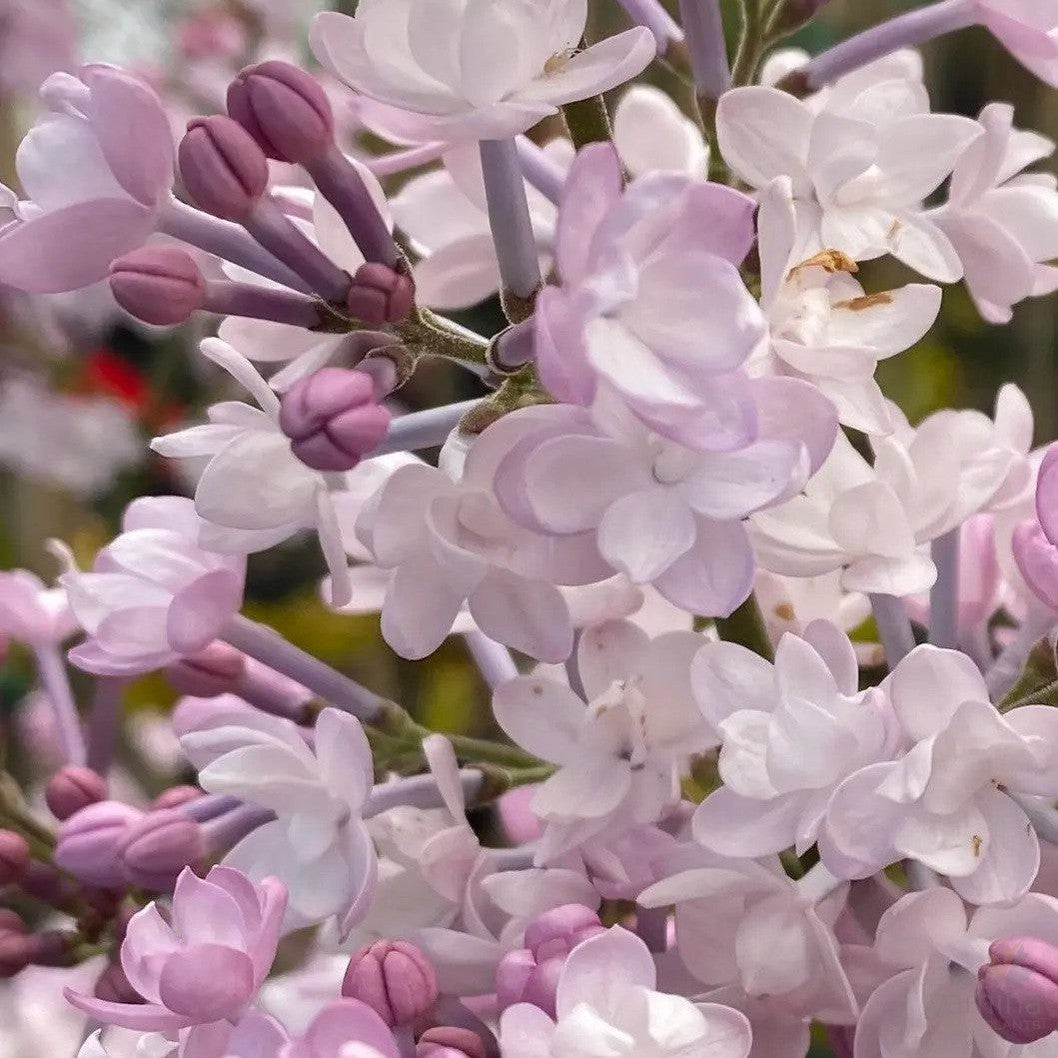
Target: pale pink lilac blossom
621, 752
254, 492
317, 845
486, 71
950, 801
154, 594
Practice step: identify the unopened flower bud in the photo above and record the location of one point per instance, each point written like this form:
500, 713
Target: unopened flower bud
449, 1041
158, 847
380, 294
14, 857
158, 284
72, 788
394, 978
223, 170
90, 842
16, 953
1017, 991
176, 797
209, 673
333, 419
531, 974
285, 109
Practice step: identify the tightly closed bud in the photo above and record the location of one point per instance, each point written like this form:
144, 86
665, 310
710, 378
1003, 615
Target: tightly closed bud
333, 419
449, 1041
72, 788
380, 294
16, 953
14, 857
284, 109
159, 847
158, 284
394, 978
209, 673
90, 842
176, 797
531, 974
1017, 991
223, 170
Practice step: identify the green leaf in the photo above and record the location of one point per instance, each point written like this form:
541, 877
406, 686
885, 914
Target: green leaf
1038, 682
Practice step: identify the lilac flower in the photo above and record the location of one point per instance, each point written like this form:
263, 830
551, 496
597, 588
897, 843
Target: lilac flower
449, 541
952, 800
823, 327
664, 514
203, 964
97, 170
859, 171
154, 594
652, 303
930, 956
1003, 221
317, 845
607, 992
484, 70
254, 491
620, 753
791, 734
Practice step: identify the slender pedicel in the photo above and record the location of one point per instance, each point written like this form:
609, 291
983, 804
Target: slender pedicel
704, 29
905, 31
894, 627
944, 595
512, 226
423, 429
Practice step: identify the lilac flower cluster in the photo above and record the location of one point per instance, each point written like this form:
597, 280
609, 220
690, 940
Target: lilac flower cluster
777, 668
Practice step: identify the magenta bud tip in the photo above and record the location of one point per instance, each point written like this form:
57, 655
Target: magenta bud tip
72, 788
14, 857
223, 169
284, 109
158, 284
333, 419
380, 294
394, 978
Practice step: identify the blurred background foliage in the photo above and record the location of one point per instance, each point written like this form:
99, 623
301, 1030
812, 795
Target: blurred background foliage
158, 378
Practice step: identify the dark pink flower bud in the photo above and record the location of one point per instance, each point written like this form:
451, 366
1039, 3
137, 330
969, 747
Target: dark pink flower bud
531, 974
14, 857
158, 284
394, 978
285, 109
16, 953
90, 842
176, 797
449, 1041
223, 170
158, 847
72, 788
209, 673
10, 922
1017, 991
380, 294
333, 419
